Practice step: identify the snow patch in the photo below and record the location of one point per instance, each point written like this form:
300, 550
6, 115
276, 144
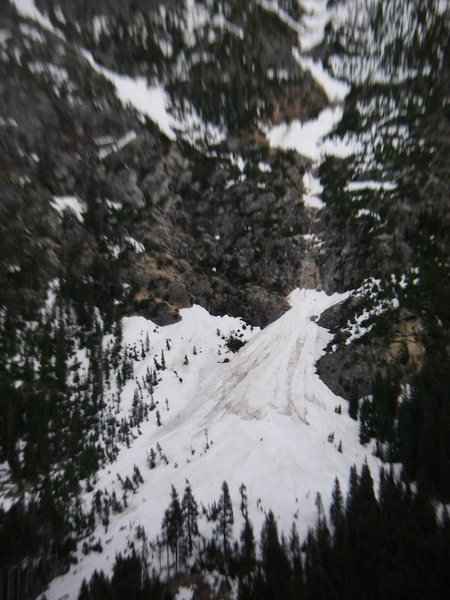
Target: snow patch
365, 212
357, 186
13, 268
197, 17
152, 101
185, 593
274, 7
114, 204
193, 129
307, 138
32, 33
334, 88
137, 246
28, 8
100, 25
264, 167
220, 21
111, 144
62, 203
314, 22
313, 189
8, 122
58, 74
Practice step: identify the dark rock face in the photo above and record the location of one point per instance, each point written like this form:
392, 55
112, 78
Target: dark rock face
390, 245
227, 239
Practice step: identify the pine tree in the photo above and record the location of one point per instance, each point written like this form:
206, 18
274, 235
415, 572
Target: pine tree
353, 405
385, 393
137, 477
190, 513
225, 519
151, 459
248, 549
363, 526
275, 563
352, 489
173, 526
366, 431
337, 505
297, 587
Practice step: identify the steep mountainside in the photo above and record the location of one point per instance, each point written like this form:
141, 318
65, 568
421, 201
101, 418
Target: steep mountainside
170, 172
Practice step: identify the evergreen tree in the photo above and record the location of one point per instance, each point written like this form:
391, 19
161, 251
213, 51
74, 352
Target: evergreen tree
173, 526
385, 394
190, 513
353, 405
363, 527
225, 519
275, 563
366, 431
248, 548
297, 586
337, 505
151, 459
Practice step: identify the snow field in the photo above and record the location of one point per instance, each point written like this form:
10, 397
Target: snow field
264, 419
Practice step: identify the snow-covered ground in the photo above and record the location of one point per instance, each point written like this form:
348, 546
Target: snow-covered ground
305, 137
149, 100
72, 203
335, 89
264, 419
313, 188
28, 8
312, 138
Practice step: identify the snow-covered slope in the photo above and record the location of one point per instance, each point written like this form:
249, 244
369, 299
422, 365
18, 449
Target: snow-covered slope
264, 419
261, 416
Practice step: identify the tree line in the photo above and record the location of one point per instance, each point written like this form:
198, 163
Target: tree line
389, 544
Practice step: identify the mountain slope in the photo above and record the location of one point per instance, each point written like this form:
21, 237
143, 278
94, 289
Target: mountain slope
263, 419
159, 155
